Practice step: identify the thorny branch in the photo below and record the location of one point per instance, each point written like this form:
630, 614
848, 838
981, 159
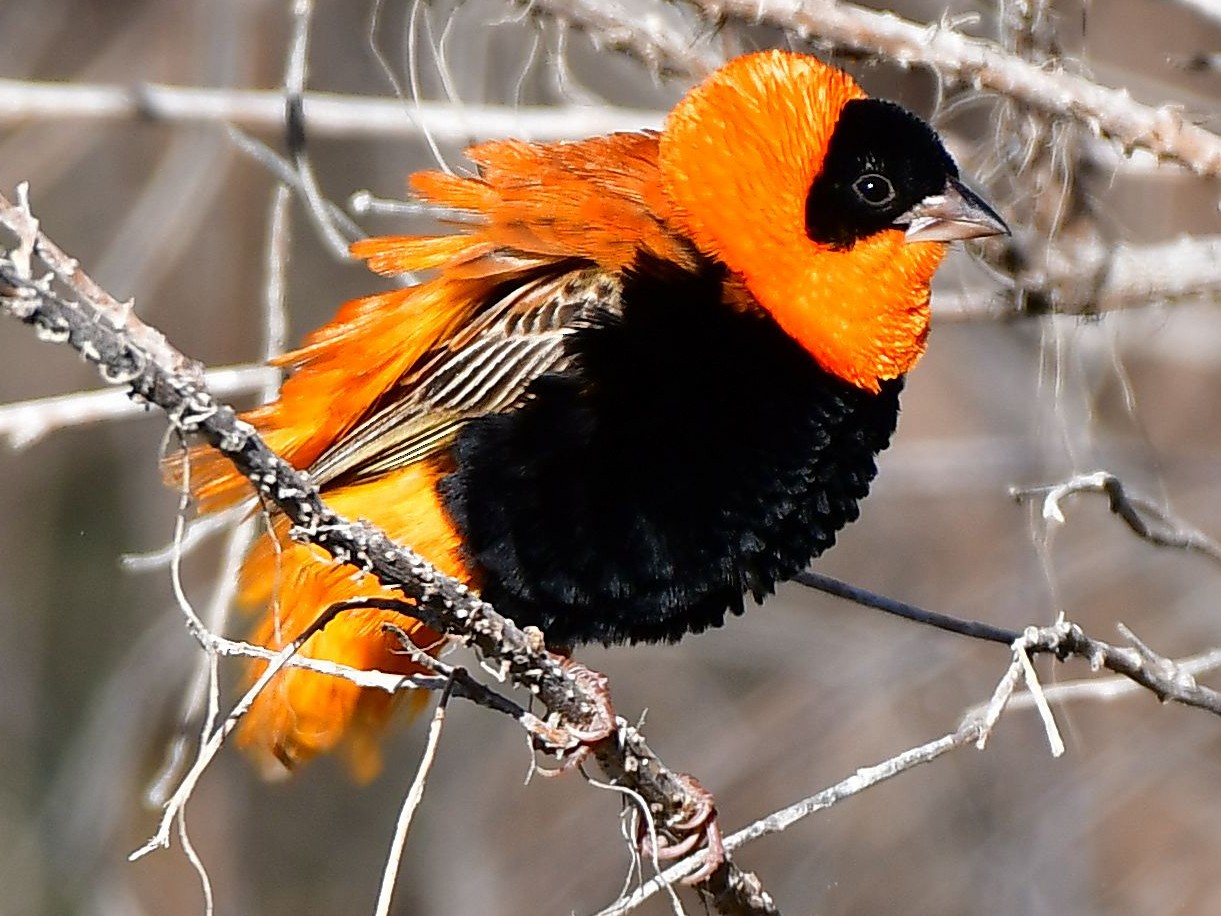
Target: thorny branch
65, 306
131, 353
1112, 113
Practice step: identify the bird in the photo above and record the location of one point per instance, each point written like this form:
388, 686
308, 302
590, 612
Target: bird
645, 379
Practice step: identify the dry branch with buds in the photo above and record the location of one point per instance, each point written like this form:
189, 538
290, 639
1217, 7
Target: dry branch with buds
45, 288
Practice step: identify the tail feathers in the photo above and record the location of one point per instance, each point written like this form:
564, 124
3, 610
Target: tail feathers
340, 371
303, 713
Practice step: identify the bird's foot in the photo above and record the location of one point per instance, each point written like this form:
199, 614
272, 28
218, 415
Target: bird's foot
686, 831
571, 744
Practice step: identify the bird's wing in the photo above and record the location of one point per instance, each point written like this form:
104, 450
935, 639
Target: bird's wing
484, 369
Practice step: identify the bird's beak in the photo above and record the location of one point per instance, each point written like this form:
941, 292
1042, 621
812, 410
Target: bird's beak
955, 214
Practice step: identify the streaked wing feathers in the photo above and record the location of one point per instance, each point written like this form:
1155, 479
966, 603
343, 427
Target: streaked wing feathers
486, 368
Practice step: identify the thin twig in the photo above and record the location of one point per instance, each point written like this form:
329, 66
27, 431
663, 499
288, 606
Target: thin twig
25, 422
215, 738
1147, 520
1112, 688
651, 39
395, 857
324, 114
779, 821
295, 73
972, 628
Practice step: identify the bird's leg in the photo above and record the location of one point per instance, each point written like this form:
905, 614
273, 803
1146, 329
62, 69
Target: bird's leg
698, 824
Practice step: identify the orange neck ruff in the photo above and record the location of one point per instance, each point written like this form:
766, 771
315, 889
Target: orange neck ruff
739, 195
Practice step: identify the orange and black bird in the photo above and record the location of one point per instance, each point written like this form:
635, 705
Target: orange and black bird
648, 377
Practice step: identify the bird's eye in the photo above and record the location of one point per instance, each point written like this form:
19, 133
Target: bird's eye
874, 189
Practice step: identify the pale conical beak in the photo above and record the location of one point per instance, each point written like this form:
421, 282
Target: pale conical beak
957, 213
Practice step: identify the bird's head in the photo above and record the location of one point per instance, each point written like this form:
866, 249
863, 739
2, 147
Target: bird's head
833, 208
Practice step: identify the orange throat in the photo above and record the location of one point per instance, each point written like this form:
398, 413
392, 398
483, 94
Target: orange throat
862, 314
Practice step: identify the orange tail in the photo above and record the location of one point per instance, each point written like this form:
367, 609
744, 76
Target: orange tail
345, 367
339, 371
303, 713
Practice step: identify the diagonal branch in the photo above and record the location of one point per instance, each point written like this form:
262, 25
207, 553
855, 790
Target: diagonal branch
65, 306
1164, 130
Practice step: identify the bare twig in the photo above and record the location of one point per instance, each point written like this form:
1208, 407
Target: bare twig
324, 114
1140, 664
854, 593
651, 39
294, 122
1167, 680
967, 734
1110, 688
1146, 518
1020, 670
410, 804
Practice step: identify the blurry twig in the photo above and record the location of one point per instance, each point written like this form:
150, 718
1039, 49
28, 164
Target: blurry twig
661, 47
1208, 10
325, 114
1146, 518
25, 422
1109, 688
287, 173
1127, 276
294, 126
411, 803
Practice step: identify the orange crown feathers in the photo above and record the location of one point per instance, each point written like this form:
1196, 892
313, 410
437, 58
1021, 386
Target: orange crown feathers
738, 156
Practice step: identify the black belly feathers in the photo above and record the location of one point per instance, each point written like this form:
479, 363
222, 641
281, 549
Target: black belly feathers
688, 455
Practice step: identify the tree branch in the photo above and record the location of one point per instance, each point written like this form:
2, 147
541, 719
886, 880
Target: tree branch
65, 306
325, 114
1143, 516
1112, 113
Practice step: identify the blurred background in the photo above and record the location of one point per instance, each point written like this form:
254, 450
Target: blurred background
94, 660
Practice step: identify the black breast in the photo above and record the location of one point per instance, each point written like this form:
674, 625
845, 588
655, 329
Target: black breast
692, 455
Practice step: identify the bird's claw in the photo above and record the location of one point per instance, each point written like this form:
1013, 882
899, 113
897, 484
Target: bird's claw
571, 744
698, 825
